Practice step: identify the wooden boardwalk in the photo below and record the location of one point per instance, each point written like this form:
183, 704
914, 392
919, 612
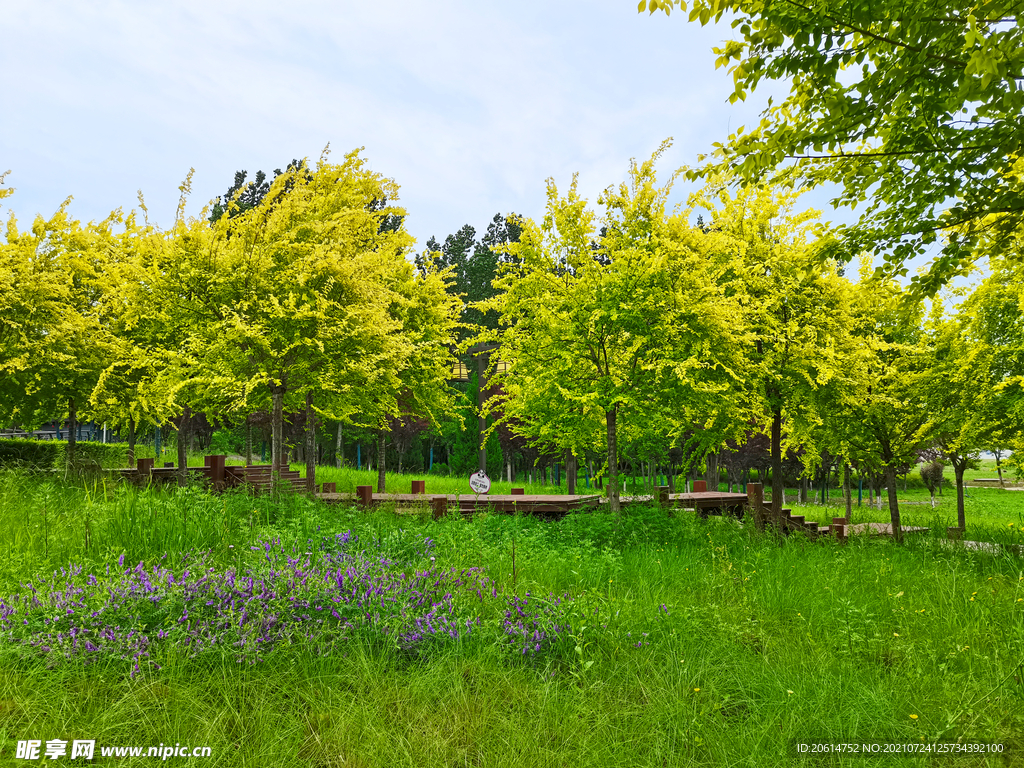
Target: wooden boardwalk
549, 506
707, 503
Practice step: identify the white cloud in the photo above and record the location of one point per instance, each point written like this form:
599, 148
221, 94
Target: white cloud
468, 106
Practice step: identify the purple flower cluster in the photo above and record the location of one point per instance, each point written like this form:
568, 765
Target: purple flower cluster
533, 625
319, 598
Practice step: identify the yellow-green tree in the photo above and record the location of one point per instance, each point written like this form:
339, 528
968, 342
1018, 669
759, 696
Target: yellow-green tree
54, 338
622, 325
138, 386
890, 422
801, 356
300, 302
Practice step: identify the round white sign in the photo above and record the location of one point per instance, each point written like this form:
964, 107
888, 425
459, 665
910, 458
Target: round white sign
480, 482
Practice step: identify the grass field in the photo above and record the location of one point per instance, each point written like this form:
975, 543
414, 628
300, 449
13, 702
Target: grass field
644, 639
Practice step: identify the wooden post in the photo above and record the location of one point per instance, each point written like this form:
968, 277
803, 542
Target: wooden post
755, 498
419, 486
364, 495
145, 469
662, 495
217, 469
700, 486
518, 491
439, 506
838, 528
329, 488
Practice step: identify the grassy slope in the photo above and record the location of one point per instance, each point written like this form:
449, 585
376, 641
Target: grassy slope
793, 641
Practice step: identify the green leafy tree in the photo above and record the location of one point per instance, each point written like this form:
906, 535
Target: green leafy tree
891, 422
301, 302
474, 265
54, 339
959, 391
912, 108
991, 323
632, 330
800, 353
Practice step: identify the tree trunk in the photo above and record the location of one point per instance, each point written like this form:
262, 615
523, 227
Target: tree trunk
72, 429
339, 448
183, 426
709, 473
961, 517
570, 473
999, 466
381, 472
848, 491
310, 446
131, 442
777, 485
894, 505
613, 462
277, 459
248, 442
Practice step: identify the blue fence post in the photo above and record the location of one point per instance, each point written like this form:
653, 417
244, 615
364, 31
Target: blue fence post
359, 456
431, 459
860, 490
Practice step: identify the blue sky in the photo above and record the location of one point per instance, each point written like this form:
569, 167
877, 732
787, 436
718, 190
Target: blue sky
468, 106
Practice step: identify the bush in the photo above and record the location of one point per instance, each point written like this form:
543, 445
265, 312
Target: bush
440, 469
52, 454
224, 442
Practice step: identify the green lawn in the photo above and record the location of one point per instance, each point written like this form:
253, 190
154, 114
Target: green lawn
680, 641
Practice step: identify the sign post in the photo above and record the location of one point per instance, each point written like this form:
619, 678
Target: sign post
480, 482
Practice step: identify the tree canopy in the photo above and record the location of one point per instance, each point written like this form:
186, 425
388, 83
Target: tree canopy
627, 328
913, 108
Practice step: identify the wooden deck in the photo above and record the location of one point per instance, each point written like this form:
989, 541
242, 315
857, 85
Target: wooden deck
256, 477
707, 503
467, 503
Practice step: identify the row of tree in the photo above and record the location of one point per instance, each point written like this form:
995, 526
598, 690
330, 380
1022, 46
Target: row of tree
297, 298
639, 325
679, 339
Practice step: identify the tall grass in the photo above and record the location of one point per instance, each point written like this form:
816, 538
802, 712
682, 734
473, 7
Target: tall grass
688, 642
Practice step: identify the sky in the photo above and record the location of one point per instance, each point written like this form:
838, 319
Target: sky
469, 107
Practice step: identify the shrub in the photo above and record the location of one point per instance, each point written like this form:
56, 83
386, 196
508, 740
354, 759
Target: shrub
52, 454
224, 442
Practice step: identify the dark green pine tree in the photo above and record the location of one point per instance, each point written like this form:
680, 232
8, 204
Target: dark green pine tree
252, 194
